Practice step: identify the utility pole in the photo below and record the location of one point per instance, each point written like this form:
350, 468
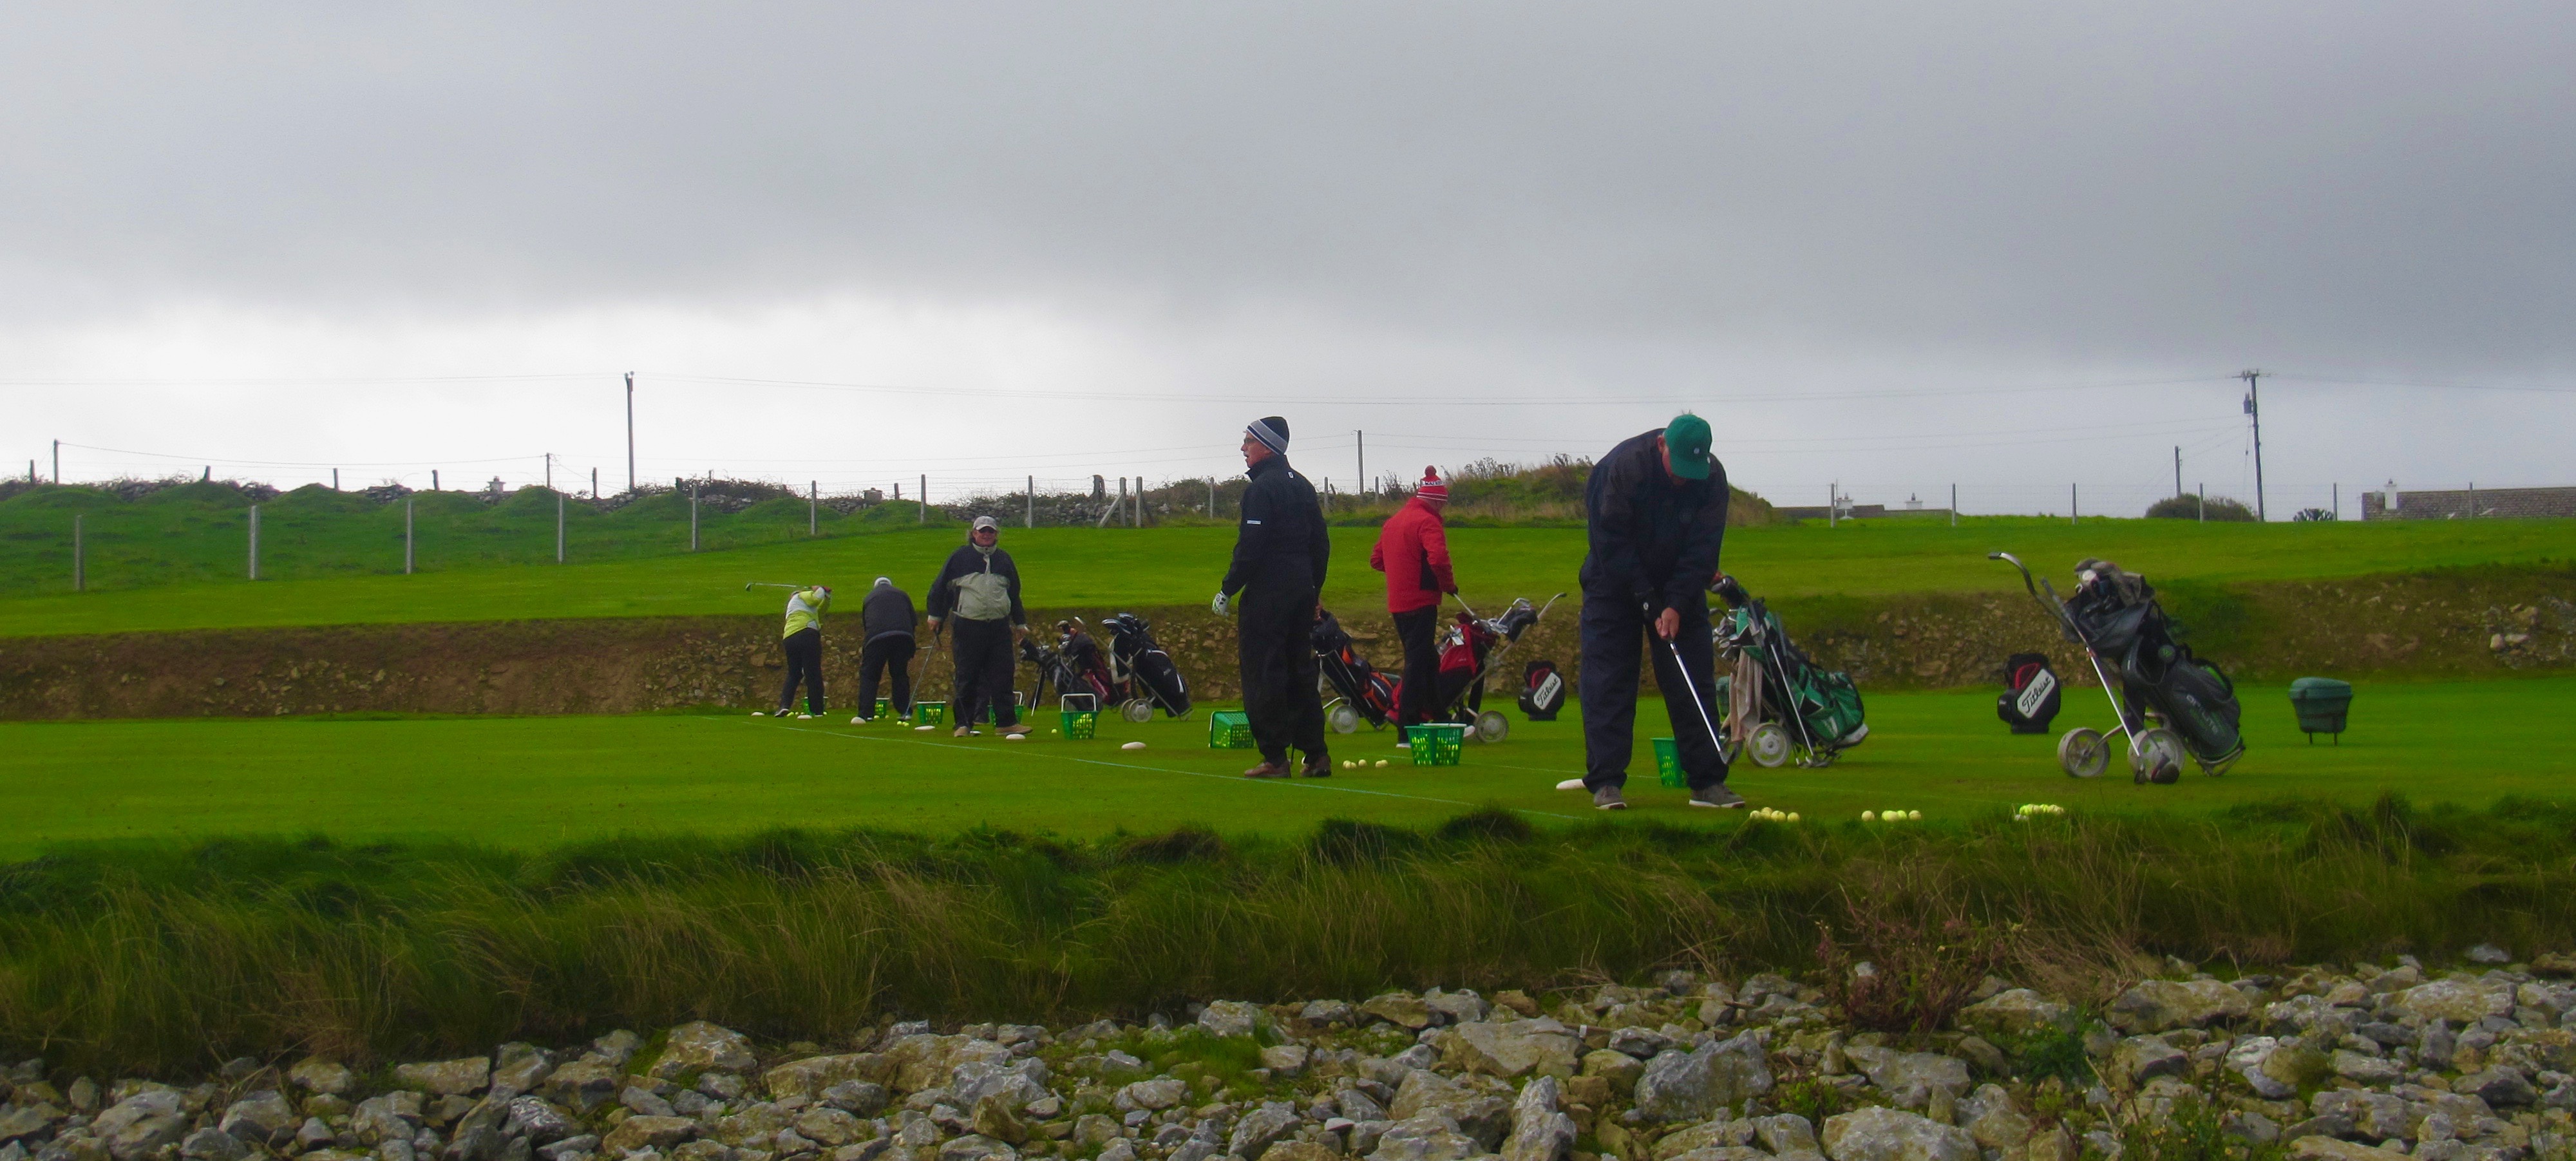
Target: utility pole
407, 540
335, 479
2254, 407
254, 542
630, 431
1954, 505
58, 464
594, 484
1833, 503
1139, 514
2070, 504
1033, 503
813, 506
550, 472
925, 502
1362, 442
2177, 470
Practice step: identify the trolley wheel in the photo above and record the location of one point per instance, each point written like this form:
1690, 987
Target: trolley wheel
1769, 745
1491, 726
2083, 753
1137, 710
1343, 718
2156, 756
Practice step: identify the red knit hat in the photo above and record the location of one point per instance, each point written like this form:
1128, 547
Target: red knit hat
1431, 488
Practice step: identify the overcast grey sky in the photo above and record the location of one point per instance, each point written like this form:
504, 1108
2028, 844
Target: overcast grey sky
1898, 246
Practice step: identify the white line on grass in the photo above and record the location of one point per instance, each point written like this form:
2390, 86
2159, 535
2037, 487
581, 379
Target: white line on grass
1282, 782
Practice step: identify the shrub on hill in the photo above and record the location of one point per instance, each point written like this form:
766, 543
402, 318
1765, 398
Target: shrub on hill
2190, 508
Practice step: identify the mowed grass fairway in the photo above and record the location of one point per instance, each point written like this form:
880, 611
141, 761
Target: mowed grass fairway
531, 783
1088, 568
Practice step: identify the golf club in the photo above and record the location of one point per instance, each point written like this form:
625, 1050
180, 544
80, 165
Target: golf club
1693, 686
750, 585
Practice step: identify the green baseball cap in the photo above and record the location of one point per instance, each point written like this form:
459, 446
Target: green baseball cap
1686, 442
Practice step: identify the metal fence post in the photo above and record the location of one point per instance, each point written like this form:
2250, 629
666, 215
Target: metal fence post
254, 542
559, 528
80, 571
693, 519
813, 506
1954, 505
925, 500
1033, 502
1139, 515
2070, 504
407, 537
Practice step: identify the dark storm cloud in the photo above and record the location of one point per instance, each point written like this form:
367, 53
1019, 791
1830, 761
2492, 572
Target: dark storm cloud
2345, 184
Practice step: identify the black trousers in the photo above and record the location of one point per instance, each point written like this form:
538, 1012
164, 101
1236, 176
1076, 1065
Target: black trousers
804, 663
985, 672
1274, 641
888, 654
1418, 699
1613, 632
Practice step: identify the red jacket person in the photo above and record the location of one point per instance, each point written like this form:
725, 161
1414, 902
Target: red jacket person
1413, 551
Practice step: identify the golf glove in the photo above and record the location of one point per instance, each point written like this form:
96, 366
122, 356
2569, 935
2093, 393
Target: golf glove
1221, 606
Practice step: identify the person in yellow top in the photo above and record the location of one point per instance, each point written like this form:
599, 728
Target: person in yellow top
803, 642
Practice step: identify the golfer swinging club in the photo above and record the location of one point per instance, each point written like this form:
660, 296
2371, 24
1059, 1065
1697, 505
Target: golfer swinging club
1280, 552
1657, 509
803, 643
980, 588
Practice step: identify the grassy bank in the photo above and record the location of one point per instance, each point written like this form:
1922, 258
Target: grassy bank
537, 782
163, 959
1084, 567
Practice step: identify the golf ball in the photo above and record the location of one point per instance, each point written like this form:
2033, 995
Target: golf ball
1133, 746
1869, 816
1381, 763
1793, 816
1914, 816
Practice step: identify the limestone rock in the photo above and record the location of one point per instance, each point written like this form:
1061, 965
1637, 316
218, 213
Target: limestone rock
2496, 1086
1910, 1078
1286, 1060
1989, 1116
583, 1084
212, 1144
1259, 1130
1881, 1134
1539, 1131
2163, 1005
1785, 1133
1480, 1107
1519, 1048
1232, 1018
539, 1122
1402, 1009
1707, 1140
141, 1123
1157, 1094
2363, 1067
924, 1060
1299, 1151
317, 1074
1429, 1138
461, 1077
393, 1116
262, 1118
1694, 1086
1019, 1081
976, 1147
1619, 1068
648, 1133
2330, 1149
2140, 1059
2017, 1012
699, 1046
2458, 1001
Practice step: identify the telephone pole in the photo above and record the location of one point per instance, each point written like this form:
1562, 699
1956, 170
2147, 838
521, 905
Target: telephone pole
630, 431
2254, 407
2177, 469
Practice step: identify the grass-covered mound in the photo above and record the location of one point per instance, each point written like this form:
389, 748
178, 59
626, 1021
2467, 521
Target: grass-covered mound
156, 958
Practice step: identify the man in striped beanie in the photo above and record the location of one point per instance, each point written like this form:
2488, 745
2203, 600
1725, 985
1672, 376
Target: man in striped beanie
1413, 551
1280, 551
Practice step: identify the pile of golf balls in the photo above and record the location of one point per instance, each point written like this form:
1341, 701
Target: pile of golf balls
1891, 816
1767, 814
2029, 810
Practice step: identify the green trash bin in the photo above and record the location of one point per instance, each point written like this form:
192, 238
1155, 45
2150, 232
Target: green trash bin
2322, 704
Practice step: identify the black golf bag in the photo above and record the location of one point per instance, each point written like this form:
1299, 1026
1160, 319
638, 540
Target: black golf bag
1357, 685
1143, 667
2120, 617
1542, 691
2033, 694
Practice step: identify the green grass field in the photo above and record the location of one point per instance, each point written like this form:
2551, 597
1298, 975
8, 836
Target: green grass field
1080, 567
529, 783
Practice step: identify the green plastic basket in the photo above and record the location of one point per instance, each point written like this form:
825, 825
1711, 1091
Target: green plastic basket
1229, 730
1437, 743
929, 713
1079, 724
884, 704
1668, 764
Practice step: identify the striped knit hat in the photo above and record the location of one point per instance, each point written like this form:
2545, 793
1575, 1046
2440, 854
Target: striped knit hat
1431, 488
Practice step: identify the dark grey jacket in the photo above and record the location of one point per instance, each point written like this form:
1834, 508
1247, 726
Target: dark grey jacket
887, 612
1281, 539
1654, 539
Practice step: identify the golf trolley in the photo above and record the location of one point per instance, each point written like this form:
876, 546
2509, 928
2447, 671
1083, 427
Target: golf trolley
1779, 703
2193, 703
1139, 668
1469, 653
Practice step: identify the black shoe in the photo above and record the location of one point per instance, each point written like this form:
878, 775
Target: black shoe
1717, 797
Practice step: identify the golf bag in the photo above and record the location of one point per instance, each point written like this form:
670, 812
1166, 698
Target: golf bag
1777, 698
1072, 665
2032, 696
1542, 691
1147, 672
2115, 613
1468, 653
1358, 691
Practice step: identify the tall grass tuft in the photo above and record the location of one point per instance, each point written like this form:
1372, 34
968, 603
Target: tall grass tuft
166, 960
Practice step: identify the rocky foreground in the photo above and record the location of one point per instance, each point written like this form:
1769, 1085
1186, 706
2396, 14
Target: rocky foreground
2326, 1065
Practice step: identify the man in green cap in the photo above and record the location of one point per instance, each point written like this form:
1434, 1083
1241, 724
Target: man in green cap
1657, 512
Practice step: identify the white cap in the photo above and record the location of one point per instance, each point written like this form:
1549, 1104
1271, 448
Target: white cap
984, 522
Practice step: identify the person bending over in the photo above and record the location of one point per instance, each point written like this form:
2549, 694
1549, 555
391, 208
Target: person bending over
885, 618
